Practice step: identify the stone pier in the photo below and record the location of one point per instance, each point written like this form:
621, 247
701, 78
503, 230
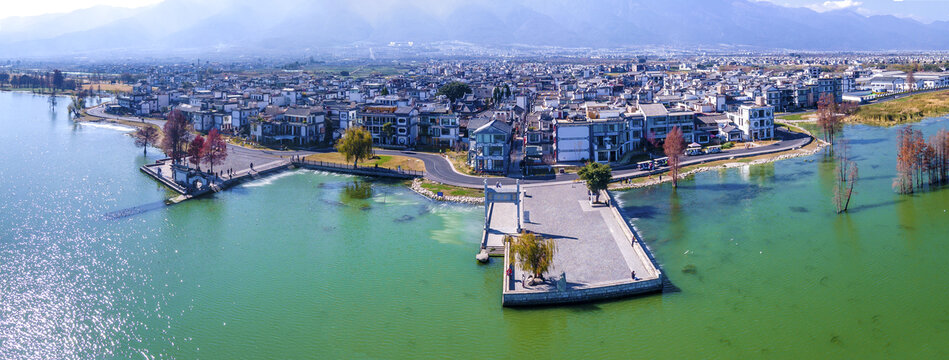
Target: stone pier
598, 255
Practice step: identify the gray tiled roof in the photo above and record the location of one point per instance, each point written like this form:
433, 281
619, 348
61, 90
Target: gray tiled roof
654, 109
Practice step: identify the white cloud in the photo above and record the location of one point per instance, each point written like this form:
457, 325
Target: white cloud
836, 5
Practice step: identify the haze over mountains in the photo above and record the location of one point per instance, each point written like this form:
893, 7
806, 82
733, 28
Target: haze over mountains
248, 26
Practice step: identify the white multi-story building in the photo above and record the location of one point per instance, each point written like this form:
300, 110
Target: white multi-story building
755, 122
658, 121
571, 140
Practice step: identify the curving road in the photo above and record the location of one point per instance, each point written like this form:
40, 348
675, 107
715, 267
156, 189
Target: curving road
440, 169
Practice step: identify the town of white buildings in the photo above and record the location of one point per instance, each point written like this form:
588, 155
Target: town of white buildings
544, 112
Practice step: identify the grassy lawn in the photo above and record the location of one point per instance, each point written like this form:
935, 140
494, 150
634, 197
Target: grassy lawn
459, 159
900, 111
791, 128
569, 169
812, 127
383, 161
361, 70
45, 91
104, 86
451, 190
796, 116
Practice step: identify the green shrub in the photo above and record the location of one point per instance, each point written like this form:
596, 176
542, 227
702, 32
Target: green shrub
728, 145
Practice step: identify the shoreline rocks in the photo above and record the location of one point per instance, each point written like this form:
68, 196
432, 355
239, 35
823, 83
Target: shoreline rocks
417, 187
655, 181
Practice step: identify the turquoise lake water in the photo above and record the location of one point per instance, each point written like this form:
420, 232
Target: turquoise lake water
316, 265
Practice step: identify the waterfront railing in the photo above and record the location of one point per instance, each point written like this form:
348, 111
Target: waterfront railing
369, 170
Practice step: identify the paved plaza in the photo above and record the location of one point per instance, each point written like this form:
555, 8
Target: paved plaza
591, 246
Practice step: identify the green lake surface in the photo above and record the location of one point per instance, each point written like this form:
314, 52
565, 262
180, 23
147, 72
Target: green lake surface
314, 265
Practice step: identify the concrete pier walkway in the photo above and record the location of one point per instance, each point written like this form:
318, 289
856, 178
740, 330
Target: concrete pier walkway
161, 171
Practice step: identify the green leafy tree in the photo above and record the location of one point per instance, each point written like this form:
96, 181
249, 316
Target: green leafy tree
355, 145
507, 91
534, 254
78, 103
58, 79
597, 177
454, 90
388, 130
384, 92
329, 127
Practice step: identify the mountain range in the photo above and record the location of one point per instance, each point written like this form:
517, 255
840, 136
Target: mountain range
252, 26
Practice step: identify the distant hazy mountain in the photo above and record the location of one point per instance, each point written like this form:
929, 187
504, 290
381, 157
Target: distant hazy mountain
291, 25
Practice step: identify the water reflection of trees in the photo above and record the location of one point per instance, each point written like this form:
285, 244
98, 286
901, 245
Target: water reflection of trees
761, 173
827, 173
677, 221
357, 190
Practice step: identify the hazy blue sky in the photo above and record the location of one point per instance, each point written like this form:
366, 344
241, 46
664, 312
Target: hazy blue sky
923, 10
39, 7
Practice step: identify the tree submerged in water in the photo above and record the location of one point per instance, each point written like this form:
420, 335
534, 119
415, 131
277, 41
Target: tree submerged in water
77, 105
920, 163
146, 136
847, 174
